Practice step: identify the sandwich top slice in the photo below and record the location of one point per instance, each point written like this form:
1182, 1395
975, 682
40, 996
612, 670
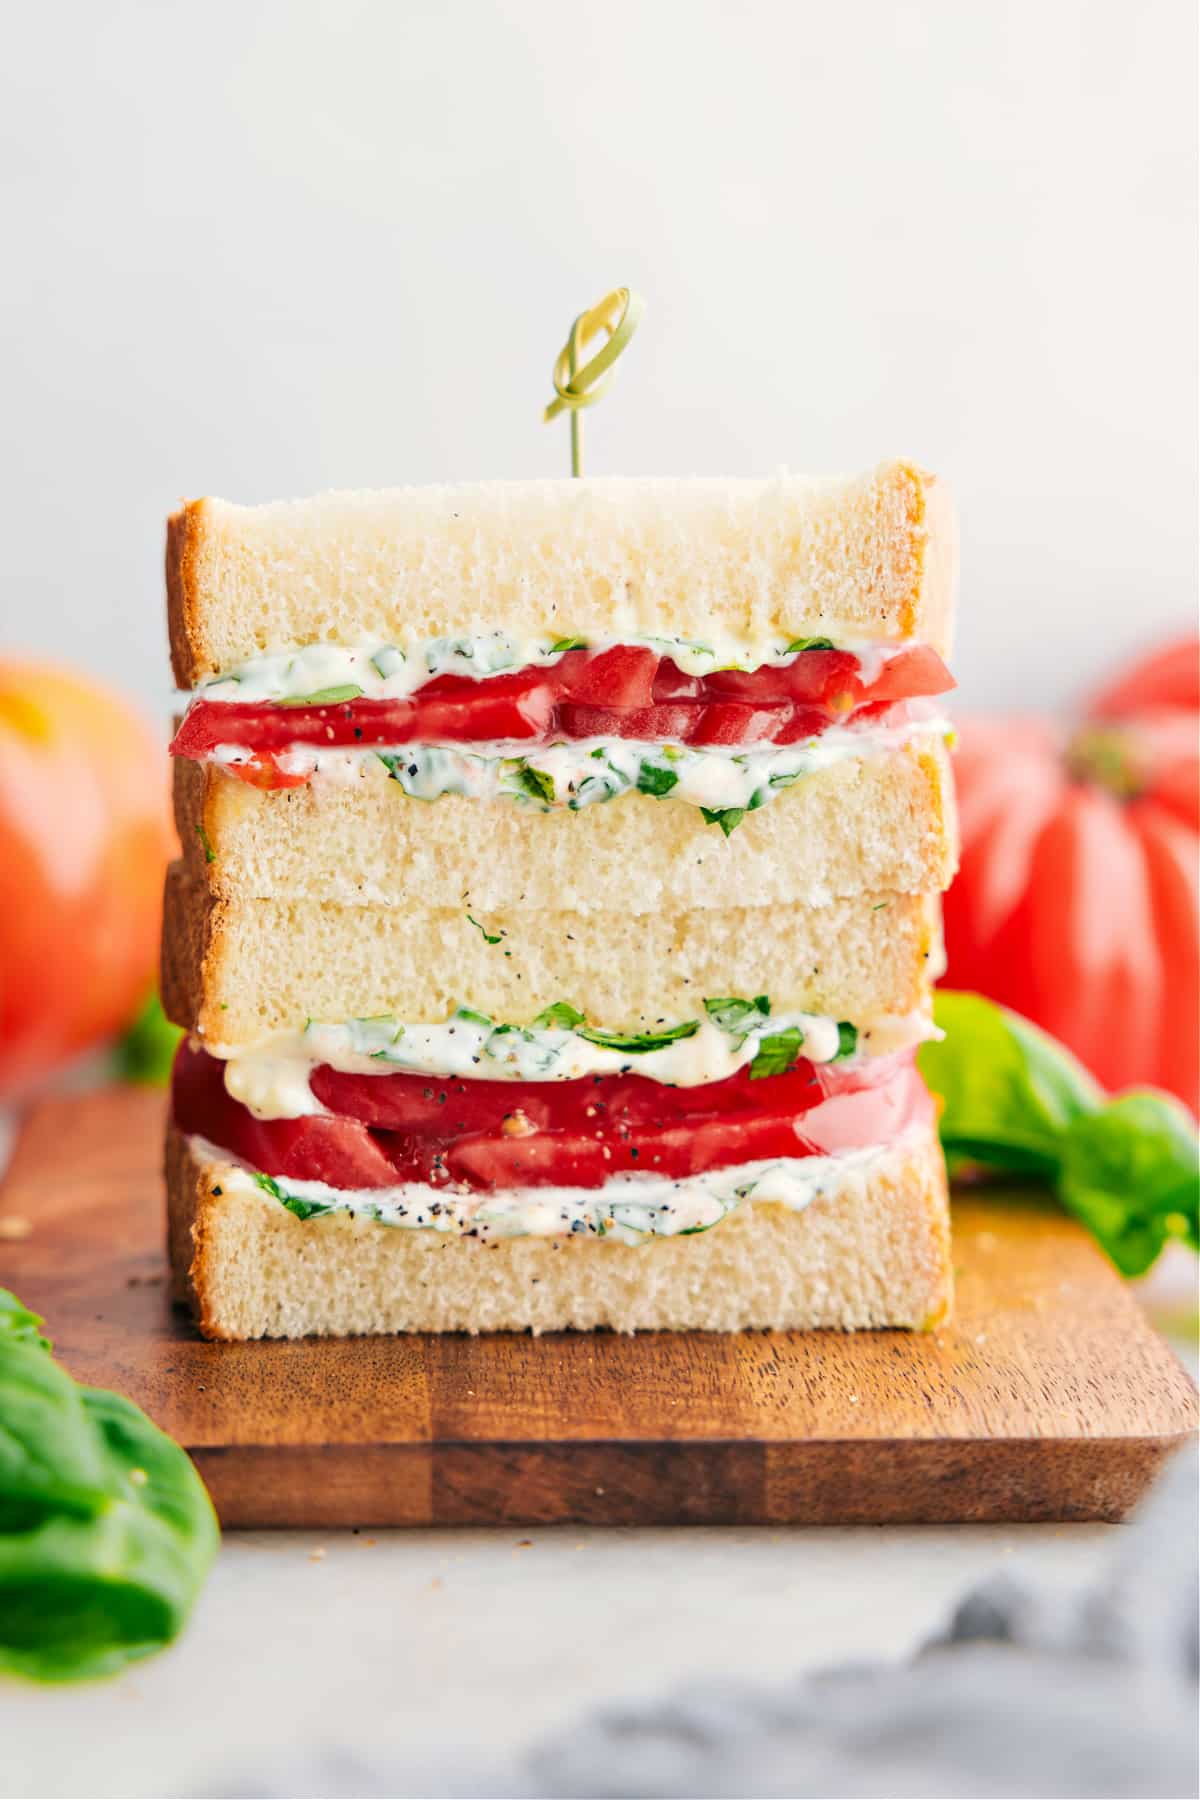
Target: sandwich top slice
750, 566
759, 658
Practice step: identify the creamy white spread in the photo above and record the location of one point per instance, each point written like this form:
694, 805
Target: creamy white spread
394, 672
578, 773
271, 1079
629, 1209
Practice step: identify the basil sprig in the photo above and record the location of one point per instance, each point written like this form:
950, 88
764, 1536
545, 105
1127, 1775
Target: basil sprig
1015, 1100
639, 1042
106, 1531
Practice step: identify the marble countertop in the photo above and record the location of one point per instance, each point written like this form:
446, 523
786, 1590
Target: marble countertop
441, 1649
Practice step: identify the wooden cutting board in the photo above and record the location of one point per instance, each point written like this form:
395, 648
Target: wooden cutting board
1049, 1397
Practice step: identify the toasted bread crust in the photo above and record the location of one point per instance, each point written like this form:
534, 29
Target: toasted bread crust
873, 1252
185, 536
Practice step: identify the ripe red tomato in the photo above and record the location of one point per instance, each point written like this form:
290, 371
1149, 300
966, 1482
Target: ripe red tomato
627, 692
384, 1129
84, 840
1077, 899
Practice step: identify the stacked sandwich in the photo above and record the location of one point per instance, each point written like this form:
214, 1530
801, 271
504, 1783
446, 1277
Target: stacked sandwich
558, 906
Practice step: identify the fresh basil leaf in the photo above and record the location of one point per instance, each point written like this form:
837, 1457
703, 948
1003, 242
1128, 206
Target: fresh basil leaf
813, 643
487, 936
653, 780
1009, 1092
1130, 1174
727, 817
1014, 1100
146, 1052
473, 1018
568, 643
330, 696
18, 1324
638, 1043
304, 1209
535, 782
562, 1016
776, 1053
106, 1531
738, 1016
847, 1040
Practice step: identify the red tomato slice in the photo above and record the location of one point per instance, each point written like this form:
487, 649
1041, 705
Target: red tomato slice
622, 676
813, 677
263, 771
650, 724
910, 674
729, 722
419, 1103
340, 1151
485, 1135
626, 692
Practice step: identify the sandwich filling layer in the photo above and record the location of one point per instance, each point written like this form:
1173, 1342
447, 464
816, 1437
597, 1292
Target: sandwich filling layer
581, 724
272, 1078
461, 1135
579, 773
628, 1209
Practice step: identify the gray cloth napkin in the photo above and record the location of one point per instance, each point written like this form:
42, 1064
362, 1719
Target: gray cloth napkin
1028, 1692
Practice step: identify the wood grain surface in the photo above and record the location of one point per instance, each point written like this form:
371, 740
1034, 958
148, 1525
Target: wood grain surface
1048, 1397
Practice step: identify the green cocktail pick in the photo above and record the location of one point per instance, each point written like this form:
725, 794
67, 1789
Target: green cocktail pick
619, 314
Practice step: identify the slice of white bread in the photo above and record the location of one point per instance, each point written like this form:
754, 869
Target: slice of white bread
870, 557
238, 970
869, 1251
870, 825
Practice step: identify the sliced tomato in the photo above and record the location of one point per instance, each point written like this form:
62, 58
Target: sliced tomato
622, 676
815, 677
419, 1103
910, 675
801, 722
626, 692
488, 1134
340, 1151
669, 723
730, 722
263, 771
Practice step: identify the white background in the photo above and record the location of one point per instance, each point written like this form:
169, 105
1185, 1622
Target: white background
263, 248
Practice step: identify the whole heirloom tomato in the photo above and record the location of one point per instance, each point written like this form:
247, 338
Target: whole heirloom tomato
1076, 901
84, 840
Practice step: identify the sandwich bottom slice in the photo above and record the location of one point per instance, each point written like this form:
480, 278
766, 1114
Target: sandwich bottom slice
867, 1246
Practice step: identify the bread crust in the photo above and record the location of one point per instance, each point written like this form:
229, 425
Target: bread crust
870, 556
185, 536
868, 1254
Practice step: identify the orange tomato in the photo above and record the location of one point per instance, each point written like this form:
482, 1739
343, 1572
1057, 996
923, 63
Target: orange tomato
1077, 899
84, 840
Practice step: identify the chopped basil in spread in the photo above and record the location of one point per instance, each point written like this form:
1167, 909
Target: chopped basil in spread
725, 784
394, 672
630, 1209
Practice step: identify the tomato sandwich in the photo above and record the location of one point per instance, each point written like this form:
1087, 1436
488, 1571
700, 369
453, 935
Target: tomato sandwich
559, 905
